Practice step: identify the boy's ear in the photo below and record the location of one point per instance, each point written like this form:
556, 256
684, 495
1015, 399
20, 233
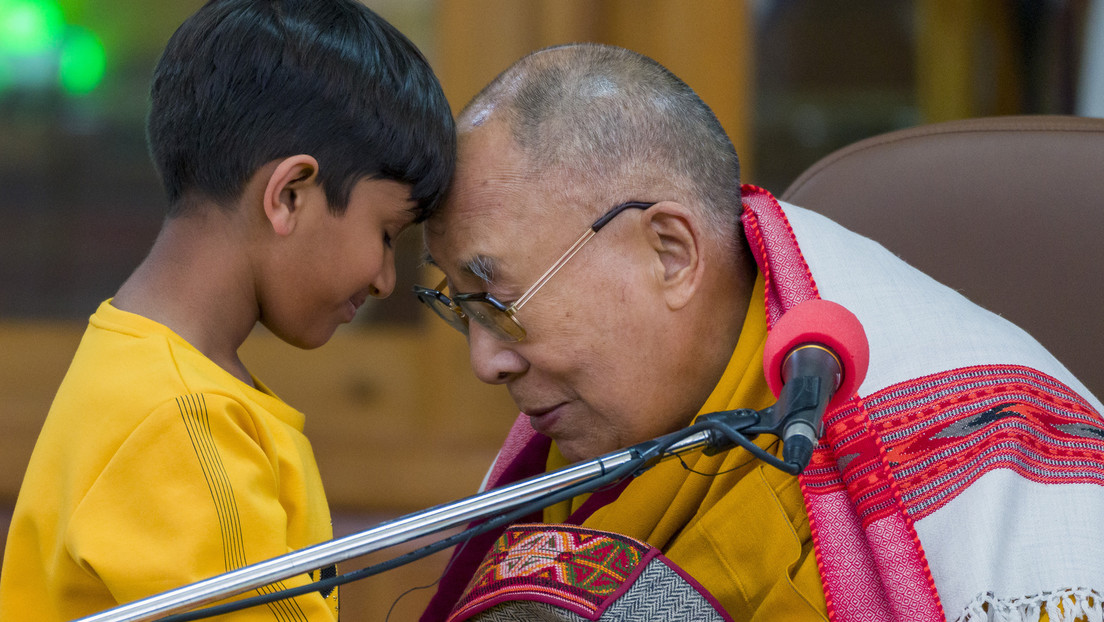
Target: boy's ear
674, 234
291, 184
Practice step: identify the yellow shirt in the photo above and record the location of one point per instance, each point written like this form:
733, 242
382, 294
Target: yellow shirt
740, 528
156, 468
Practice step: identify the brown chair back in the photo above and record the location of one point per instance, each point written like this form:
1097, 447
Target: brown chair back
1007, 210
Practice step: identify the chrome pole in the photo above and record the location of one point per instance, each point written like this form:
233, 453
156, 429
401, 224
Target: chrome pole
386, 534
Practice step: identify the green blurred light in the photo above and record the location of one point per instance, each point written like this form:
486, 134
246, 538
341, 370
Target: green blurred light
82, 62
30, 26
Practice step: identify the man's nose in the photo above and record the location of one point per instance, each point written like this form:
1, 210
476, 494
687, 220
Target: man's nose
493, 360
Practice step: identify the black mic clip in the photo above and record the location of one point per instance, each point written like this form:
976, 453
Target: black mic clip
740, 427
812, 375
732, 427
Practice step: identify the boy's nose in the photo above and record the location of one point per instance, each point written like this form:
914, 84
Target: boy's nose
384, 283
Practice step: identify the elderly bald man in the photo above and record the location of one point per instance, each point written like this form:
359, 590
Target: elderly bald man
606, 265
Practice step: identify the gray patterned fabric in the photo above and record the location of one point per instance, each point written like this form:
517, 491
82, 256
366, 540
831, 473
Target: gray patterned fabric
659, 593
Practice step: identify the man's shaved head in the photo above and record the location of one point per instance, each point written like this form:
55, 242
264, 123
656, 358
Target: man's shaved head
614, 118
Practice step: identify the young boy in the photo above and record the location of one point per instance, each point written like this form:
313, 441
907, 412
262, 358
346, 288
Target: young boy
295, 140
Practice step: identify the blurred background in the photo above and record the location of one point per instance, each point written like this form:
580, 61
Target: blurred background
397, 419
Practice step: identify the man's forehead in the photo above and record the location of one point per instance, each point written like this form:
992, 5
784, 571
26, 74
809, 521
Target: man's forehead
499, 211
481, 245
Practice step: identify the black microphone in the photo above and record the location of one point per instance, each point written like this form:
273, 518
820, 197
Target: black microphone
815, 358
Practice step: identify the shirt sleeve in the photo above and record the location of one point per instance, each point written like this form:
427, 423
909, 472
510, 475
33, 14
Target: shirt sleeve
192, 493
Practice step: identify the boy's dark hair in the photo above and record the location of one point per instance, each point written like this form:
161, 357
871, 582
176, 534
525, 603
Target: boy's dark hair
245, 82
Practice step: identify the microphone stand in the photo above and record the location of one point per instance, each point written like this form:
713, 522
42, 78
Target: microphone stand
712, 433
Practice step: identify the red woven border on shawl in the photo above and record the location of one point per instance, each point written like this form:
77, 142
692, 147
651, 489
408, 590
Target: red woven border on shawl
871, 573
882, 574
947, 430
788, 279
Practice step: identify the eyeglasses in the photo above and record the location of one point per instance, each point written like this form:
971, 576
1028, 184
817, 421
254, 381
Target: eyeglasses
491, 313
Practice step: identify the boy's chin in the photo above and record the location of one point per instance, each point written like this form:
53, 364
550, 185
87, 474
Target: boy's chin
307, 340
313, 341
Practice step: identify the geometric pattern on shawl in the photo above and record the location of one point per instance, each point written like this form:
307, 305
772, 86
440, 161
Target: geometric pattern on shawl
564, 572
972, 421
873, 572
906, 451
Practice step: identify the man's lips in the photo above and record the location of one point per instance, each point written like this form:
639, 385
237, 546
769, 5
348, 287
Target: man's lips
543, 419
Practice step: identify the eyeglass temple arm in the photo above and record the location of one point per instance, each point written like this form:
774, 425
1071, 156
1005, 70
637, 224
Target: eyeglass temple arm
554, 269
601, 222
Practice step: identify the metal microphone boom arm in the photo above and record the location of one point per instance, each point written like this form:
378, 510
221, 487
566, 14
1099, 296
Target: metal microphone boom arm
714, 433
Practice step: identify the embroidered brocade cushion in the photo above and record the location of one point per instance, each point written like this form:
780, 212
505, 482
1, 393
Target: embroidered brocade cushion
563, 572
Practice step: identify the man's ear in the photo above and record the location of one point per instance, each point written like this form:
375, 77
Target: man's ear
674, 233
290, 185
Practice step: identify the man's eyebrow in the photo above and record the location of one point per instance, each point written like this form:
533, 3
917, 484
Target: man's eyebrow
480, 266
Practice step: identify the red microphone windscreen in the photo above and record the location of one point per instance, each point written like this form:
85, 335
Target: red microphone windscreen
826, 323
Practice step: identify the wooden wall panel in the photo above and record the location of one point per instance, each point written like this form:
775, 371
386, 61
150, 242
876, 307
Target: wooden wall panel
966, 60
707, 43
